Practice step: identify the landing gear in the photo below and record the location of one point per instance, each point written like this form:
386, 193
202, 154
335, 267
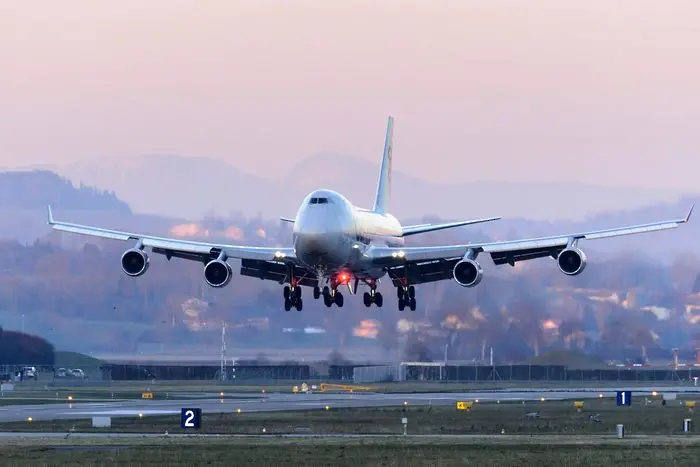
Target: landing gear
373, 297
292, 298
331, 296
407, 297
317, 292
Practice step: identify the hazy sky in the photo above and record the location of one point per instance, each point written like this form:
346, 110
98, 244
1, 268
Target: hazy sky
604, 91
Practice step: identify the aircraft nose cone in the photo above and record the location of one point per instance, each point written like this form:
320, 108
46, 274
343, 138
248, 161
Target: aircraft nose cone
311, 242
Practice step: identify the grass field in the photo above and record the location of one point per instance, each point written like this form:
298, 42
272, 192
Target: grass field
598, 416
349, 452
498, 435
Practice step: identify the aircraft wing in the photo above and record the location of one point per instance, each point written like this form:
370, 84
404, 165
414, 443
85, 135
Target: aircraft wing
422, 228
432, 263
185, 249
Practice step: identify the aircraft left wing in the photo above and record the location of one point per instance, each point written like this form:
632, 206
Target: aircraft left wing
437, 262
170, 247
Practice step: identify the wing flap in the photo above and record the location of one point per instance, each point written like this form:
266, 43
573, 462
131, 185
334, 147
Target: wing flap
274, 271
422, 273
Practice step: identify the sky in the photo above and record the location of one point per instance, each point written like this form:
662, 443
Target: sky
541, 90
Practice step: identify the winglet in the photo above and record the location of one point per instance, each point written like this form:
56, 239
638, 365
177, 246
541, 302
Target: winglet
687, 218
50, 215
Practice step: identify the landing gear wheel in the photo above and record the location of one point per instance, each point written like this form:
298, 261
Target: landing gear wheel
378, 299
367, 299
338, 299
402, 303
297, 292
327, 300
286, 292
412, 304
399, 293
317, 293
287, 304
411, 292
299, 304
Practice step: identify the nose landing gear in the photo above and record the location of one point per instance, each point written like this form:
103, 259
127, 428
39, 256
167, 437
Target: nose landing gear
292, 298
407, 297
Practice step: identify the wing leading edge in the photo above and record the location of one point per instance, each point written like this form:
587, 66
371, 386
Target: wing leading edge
423, 228
178, 248
509, 252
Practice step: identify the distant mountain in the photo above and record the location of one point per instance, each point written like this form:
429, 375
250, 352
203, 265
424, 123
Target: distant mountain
191, 187
179, 186
38, 188
24, 196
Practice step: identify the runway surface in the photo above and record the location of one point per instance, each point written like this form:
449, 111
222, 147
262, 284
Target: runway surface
285, 402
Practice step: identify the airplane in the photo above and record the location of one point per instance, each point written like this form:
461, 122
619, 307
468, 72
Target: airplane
335, 243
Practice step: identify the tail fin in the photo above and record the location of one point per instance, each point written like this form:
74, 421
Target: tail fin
381, 200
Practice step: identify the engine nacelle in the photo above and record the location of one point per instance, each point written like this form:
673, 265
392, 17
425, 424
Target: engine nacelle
467, 273
135, 262
571, 261
218, 273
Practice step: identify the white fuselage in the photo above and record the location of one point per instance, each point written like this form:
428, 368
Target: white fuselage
330, 234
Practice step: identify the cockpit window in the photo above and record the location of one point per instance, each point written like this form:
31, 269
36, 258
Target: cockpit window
318, 201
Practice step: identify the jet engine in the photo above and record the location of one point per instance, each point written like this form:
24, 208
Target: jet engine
467, 273
571, 261
217, 273
135, 262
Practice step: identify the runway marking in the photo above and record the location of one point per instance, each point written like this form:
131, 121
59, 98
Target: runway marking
125, 412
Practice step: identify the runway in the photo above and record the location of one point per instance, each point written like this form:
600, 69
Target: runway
285, 402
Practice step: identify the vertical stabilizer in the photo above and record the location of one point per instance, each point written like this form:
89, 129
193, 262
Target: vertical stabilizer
381, 201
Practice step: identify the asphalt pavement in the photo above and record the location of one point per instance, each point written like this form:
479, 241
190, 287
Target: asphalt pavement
300, 401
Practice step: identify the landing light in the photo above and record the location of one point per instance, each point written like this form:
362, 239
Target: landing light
279, 254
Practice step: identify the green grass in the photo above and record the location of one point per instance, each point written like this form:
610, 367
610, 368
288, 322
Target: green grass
555, 417
337, 452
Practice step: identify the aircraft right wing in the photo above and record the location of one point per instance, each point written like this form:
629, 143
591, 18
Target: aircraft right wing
423, 228
432, 263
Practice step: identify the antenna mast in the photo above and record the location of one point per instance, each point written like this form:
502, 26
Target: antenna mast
223, 351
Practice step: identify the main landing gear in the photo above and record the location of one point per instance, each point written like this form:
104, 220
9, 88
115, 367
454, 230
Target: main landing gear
373, 297
407, 297
330, 296
292, 298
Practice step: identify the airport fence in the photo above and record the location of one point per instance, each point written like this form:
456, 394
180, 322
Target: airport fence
401, 371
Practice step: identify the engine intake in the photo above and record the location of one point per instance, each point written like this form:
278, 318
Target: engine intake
135, 262
571, 261
217, 273
467, 273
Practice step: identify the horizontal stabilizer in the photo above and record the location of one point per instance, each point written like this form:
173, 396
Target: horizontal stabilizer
287, 219
423, 228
